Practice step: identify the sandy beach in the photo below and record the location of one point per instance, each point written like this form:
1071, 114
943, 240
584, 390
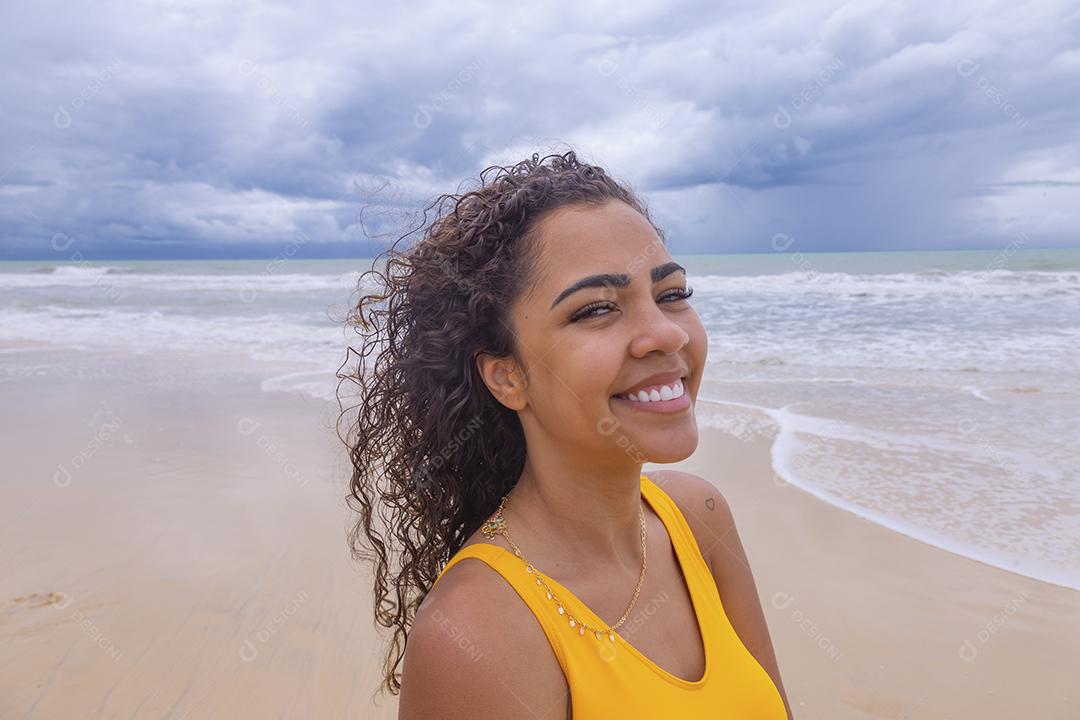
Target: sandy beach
173, 546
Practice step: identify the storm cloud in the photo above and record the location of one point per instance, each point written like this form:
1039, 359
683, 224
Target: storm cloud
186, 129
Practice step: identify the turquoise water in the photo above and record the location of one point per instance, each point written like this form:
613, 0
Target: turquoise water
907, 261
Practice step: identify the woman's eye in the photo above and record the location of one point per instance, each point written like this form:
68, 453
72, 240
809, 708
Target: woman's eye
590, 310
679, 294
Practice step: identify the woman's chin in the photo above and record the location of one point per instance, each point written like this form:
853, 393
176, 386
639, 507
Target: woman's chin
670, 447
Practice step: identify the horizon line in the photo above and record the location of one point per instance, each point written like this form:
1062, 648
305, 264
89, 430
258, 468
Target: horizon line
52, 257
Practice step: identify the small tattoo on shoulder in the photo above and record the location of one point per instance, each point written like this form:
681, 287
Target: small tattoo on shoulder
710, 503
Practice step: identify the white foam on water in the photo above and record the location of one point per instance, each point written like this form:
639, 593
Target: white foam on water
301, 337
977, 392
1018, 513
76, 272
321, 384
877, 286
121, 278
869, 287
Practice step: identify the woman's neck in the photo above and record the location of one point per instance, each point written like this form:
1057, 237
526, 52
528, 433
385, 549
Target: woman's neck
595, 517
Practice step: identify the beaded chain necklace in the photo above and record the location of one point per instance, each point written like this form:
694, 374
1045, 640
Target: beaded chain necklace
497, 526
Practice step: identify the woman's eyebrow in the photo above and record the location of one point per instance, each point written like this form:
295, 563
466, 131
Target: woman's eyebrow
618, 280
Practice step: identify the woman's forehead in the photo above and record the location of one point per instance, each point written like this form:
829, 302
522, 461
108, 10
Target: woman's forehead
593, 221
611, 238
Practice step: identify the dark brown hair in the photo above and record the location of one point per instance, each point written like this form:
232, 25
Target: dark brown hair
432, 450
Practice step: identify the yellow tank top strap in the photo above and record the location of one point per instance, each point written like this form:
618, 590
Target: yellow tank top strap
677, 526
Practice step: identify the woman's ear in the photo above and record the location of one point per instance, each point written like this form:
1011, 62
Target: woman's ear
503, 379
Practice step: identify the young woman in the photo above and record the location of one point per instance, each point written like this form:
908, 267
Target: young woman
535, 348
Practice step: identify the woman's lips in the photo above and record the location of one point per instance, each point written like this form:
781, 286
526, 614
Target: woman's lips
659, 406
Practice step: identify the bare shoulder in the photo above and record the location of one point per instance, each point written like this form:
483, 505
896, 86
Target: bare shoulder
476, 650
701, 503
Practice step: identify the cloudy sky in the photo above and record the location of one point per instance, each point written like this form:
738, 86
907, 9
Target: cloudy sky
182, 129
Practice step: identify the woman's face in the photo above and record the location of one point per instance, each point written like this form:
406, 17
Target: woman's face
607, 315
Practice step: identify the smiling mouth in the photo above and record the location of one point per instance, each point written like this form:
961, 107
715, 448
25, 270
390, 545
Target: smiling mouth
657, 393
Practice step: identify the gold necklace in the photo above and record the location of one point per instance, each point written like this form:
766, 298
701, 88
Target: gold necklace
497, 526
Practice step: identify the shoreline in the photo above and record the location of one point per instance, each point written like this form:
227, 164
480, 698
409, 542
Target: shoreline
747, 421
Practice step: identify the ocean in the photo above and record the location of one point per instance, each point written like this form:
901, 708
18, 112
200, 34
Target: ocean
935, 393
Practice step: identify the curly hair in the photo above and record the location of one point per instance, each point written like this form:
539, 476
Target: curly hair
432, 450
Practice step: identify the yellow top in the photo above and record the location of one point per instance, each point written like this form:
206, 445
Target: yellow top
613, 679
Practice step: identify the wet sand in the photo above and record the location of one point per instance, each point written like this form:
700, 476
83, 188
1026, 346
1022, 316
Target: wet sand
173, 546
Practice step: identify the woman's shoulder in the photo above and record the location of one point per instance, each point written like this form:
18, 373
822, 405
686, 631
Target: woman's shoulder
475, 648
701, 503
705, 511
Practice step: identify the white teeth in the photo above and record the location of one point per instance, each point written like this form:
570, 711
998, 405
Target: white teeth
664, 393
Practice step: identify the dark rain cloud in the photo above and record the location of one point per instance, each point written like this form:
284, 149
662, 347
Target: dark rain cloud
181, 129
